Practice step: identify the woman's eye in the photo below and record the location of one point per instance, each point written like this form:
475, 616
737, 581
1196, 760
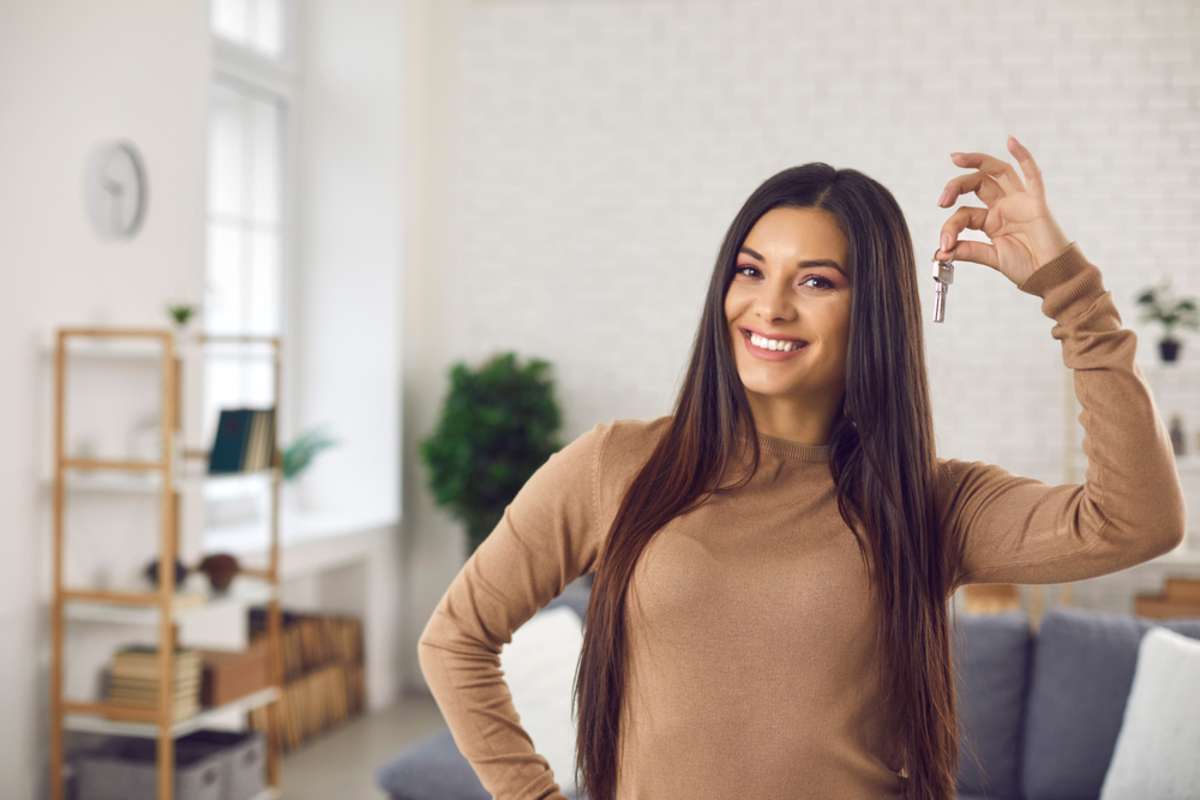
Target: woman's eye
825, 282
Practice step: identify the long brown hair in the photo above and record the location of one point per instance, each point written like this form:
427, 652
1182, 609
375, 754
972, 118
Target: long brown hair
882, 462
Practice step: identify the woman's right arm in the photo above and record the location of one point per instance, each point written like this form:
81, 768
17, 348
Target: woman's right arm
548, 536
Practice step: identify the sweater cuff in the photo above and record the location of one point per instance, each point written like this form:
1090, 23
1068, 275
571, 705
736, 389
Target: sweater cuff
1067, 283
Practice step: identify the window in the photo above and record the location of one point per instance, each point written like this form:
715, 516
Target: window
245, 272
254, 24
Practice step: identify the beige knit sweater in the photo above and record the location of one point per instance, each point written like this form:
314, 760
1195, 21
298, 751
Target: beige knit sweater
752, 672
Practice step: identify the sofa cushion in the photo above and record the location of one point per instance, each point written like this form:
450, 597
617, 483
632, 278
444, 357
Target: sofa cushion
1083, 667
1158, 749
575, 596
431, 769
434, 769
992, 654
539, 668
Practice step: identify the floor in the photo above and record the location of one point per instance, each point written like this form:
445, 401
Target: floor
341, 763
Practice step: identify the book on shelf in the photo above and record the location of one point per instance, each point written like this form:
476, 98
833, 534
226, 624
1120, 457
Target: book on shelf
324, 677
138, 670
132, 680
143, 660
244, 441
125, 685
182, 709
148, 698
124, 679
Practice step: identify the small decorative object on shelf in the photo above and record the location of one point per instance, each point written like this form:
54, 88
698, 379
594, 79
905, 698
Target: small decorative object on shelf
151, 572
1160, 306
145, 438
180, 314
220, 569
229, 675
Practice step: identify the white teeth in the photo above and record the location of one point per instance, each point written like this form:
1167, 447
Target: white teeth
772, 344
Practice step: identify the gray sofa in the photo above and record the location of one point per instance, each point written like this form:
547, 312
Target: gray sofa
1040, 710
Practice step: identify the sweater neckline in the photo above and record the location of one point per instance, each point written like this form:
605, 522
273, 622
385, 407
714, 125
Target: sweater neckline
793, 451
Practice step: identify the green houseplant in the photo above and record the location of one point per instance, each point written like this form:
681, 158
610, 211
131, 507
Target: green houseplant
299, 454
498, 425
1158, 305
180, 314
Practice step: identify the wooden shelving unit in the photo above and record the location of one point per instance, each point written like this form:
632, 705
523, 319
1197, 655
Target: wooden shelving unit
163, 606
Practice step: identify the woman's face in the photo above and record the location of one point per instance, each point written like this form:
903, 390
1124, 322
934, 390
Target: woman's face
773, 293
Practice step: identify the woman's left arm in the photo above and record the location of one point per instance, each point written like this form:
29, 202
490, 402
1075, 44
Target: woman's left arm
1131, 506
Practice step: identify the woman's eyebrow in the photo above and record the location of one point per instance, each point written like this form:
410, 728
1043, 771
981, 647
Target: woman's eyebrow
812, 262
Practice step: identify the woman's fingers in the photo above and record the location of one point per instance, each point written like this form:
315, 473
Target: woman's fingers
1033, 173
978, 253
1002, 171
965, 217
983, 185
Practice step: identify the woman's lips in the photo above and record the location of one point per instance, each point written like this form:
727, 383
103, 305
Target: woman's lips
770, 355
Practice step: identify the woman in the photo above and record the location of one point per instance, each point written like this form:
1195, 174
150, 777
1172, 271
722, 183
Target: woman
773, 562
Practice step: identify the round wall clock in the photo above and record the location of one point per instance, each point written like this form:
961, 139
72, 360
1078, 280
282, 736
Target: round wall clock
115, 189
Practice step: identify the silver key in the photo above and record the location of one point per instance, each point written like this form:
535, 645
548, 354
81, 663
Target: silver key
943, 276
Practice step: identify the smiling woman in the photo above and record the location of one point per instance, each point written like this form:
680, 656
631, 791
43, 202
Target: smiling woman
772, 580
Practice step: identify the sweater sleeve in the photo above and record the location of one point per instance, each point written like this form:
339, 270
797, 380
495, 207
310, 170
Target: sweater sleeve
547, 537
1014, 529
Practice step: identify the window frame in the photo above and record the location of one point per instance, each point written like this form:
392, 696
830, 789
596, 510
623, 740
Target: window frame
279, 79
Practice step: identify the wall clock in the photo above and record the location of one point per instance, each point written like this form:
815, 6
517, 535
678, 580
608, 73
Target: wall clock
115, 189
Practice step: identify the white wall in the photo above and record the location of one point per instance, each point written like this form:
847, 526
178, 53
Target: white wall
595, 152
350, 240
72, 74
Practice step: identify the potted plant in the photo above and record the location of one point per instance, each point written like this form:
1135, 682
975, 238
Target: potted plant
1158, 305
180, 314
498, 425
297, 456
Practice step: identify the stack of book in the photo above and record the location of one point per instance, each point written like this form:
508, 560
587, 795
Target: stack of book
244, 441
133, 679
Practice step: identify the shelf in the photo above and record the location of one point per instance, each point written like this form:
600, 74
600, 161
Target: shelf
148, 482
172, 470
151, 350
243, 591
93, 723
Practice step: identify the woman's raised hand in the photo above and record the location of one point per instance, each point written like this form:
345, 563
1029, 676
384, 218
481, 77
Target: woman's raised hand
1024, 234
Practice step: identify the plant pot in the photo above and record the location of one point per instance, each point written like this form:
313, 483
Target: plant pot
1168, 349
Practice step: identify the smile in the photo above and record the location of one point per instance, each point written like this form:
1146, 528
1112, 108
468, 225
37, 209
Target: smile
770, 355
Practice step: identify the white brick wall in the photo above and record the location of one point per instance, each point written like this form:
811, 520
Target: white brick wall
597, 151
